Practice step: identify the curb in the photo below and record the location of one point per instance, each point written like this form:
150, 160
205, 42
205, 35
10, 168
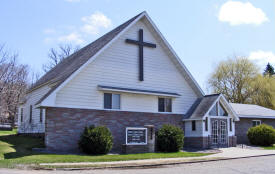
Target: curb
153, 165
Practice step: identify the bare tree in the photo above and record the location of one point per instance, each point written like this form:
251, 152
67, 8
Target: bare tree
56, 55
13, 83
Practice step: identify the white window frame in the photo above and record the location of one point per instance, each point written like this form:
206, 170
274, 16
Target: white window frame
136, 128
115, 109
256, 122
165, 98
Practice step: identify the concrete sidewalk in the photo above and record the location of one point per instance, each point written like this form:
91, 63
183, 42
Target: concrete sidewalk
226, 153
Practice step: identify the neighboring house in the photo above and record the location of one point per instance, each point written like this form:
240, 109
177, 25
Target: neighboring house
131, 81
251, 115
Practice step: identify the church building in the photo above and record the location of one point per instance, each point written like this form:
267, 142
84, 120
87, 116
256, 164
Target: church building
131, 81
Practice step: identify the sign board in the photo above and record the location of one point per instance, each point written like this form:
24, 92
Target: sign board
136, 136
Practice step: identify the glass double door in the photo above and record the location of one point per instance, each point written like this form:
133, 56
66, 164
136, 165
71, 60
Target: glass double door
219, 133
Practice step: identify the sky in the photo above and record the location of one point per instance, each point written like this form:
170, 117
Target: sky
202, 32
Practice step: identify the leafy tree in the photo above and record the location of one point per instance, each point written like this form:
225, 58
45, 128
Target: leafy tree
269, 70
263, 91
240, 81
233, 78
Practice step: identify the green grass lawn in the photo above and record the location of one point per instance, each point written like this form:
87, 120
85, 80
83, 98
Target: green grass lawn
17, 150
269, 147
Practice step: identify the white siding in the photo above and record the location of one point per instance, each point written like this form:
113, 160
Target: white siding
35, 126
118, 66
188, 132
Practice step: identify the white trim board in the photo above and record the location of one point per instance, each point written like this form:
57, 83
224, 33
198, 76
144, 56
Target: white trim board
256, 116
136, 92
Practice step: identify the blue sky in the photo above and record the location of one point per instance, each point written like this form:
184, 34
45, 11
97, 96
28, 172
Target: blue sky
201, 32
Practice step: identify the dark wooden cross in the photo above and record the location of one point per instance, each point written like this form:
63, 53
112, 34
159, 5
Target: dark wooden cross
141, 44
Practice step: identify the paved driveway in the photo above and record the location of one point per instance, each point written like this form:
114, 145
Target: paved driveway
255, 165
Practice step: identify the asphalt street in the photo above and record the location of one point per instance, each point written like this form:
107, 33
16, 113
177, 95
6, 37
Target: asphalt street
253, 165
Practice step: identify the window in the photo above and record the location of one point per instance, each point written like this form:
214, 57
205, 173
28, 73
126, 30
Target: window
206, 123
165, 105
193, 125
222, 111
111, 101
21, 114
30, 113
230, 124
218, 110
214, 111
41, 115
256, 122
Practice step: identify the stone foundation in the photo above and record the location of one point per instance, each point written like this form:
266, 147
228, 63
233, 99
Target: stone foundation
232, 141
196, 142
38, 135
65, 125
204, 142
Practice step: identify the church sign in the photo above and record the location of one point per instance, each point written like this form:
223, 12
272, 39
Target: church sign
136, 136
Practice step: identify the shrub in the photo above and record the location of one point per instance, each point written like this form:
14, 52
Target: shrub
96, 140
170, 138
262, 135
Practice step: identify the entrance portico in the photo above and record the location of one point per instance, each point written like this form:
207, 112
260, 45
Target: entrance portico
212, 121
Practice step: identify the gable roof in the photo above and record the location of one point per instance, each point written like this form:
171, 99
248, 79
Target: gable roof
70, 66
252, 111
201, 106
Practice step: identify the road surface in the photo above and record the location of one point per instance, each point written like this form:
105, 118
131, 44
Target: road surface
262, 165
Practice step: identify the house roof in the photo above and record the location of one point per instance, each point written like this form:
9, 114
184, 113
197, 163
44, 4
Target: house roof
201, 106
59, 75
252, 111
70, 64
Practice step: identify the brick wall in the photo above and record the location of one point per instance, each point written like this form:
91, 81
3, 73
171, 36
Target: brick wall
244, 124
64, 125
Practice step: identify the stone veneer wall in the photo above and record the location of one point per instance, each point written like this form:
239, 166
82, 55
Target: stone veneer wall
196, 142
65, 125
205, 142
242, 126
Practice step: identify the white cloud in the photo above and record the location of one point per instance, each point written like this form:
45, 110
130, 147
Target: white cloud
237, 13
71, 38
92, 25
262, 57
95, 22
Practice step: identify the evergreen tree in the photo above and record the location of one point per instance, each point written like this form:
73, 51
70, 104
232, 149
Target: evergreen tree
269, 70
